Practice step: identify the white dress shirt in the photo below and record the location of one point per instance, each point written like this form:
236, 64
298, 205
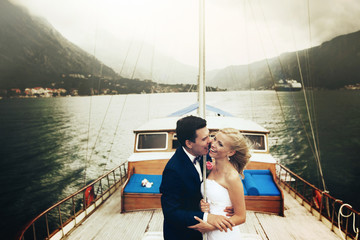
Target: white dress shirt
196, 165
198, 169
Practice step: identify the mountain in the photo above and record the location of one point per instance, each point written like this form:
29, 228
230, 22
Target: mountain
332, 65
33, 53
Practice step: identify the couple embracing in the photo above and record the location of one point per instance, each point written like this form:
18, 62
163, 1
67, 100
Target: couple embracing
186, 214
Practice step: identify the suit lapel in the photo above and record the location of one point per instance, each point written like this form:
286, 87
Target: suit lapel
189, 167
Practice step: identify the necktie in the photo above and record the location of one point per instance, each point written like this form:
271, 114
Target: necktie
197, 159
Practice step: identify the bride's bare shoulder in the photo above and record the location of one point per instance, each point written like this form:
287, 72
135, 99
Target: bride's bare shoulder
233, 177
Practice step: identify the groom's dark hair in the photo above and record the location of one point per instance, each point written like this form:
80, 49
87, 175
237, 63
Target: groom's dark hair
186, 128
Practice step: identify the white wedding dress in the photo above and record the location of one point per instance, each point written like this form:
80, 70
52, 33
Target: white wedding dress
218, 198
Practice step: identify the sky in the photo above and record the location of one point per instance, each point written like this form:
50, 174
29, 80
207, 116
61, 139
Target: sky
236, 31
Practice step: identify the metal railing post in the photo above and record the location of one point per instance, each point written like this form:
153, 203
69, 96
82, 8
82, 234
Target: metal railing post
47, 225
304, 189
34, 233
332, 216
321, 205
61, 223
74, 211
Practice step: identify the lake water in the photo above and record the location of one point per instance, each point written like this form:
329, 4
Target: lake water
48, 146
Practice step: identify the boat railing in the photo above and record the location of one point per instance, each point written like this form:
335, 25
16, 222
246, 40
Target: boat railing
61, 218
340, 217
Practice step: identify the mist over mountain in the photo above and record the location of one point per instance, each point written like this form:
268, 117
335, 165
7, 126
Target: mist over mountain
331, 65
33, 53
139, 60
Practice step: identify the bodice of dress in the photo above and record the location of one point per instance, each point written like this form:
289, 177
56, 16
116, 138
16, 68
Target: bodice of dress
217, 196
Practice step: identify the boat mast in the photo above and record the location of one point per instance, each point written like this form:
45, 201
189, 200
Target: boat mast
201, 77
201, 81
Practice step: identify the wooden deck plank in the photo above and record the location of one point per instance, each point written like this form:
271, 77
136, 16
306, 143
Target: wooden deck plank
156, 223
298, 223
252, 225
108, 223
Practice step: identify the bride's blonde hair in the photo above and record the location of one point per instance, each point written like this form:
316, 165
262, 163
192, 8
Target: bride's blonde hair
241, 146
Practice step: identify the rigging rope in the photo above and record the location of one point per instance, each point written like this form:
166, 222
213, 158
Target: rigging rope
317, 155
89, 122
116, 130
248, 60
310, 79
137, 59
126, 56
314, 146
356, 230
312, 128
267, 63
292, 94
98, 135
87, 142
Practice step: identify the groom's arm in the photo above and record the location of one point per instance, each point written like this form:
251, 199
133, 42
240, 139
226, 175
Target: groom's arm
172, 201
215, 222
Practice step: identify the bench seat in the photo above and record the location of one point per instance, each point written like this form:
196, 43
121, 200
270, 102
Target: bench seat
256, 183
134, 184
259, 183
261, 192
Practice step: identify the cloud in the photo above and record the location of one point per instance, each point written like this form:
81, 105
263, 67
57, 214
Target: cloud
237, 31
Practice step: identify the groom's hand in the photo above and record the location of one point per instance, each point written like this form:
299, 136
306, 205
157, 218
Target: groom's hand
229, 211
220, 222
202, 226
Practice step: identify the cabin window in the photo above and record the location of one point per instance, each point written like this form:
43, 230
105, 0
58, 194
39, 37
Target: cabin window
257, 140
151, 141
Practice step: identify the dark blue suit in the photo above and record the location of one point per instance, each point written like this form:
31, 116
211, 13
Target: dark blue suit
180, 188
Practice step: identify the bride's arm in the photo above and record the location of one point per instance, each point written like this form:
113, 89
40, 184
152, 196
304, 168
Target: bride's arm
214, 222
236, 193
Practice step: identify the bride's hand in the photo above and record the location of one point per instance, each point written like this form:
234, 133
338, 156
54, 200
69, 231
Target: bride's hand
205, 207
220, 222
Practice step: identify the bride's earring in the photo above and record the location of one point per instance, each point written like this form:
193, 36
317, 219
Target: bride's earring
228, 158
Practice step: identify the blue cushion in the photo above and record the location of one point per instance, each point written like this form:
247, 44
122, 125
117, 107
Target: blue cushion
259, 182
266, 185
134, 184
245, 191
256, 182
250, 185
258, 171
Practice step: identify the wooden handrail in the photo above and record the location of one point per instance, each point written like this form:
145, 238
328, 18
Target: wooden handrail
325, 199
31, 224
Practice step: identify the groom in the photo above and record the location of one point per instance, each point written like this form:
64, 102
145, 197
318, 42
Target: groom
181, 180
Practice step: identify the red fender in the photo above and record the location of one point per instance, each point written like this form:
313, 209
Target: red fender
317, 199
89, 195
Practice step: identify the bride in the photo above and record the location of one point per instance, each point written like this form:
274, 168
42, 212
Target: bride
230, 150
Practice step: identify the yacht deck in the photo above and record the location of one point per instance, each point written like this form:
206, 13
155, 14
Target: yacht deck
108, 223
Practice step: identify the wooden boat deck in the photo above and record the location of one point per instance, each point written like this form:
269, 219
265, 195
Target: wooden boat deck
108, 223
